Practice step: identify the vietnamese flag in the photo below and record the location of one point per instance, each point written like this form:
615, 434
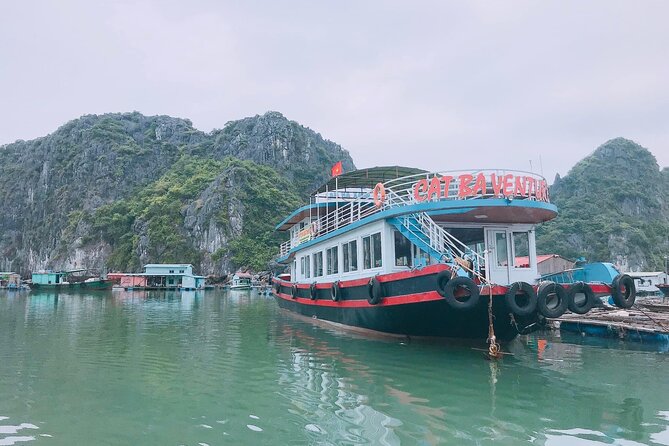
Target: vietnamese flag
336, 170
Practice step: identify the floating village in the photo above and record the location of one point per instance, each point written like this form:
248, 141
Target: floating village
409, 253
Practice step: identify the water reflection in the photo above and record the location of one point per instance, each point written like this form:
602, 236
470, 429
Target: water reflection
549, 392
145, 367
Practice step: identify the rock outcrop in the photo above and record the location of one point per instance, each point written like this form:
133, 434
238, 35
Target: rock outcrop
52, 188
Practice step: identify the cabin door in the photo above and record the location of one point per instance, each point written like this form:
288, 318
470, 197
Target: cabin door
499, 255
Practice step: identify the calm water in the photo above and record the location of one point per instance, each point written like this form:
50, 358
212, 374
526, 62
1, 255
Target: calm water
213, 368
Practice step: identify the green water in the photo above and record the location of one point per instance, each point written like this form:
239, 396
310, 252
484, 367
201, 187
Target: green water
211, 368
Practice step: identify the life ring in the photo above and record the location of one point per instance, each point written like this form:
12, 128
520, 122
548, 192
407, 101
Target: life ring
379, 195
312, 291
334, 291
458, 303
586, 304
547, 290
623, 291
293, 292
442, 279
374, 292
528, 296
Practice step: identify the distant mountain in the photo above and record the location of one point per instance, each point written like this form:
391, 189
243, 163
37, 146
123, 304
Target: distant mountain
613, 206
119, 190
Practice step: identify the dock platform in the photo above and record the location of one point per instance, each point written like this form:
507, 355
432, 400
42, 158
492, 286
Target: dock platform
646, 322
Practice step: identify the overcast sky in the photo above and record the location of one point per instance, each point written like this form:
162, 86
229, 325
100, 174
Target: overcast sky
438, 85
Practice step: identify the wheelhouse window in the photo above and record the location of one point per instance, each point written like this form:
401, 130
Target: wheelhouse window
501, 249
318, 264
371, 251
332, 258
521, 250
350, 253
402, 250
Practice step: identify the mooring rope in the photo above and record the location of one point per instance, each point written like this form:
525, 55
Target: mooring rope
659, 324
494, 347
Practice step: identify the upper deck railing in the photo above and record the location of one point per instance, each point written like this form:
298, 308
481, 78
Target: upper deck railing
420, 188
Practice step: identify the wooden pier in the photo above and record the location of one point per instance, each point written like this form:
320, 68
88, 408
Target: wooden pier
647, 321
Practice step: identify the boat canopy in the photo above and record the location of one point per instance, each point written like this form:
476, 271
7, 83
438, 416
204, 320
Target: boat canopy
368, 178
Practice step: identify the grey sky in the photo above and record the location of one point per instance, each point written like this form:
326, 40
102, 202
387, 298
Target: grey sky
437, 85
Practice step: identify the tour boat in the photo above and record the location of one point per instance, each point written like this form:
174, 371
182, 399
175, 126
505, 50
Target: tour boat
408, 252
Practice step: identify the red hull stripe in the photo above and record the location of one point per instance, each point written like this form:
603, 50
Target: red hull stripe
358, 303
597, 288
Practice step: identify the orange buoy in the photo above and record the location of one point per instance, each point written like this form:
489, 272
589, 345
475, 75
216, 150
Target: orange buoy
379, 195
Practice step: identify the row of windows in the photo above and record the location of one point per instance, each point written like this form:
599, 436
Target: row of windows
371, 257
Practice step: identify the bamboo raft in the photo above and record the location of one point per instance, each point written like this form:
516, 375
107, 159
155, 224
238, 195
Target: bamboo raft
647, 321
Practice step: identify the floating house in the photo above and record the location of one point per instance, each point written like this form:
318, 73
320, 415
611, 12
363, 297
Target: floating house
68, 279
163, 276
10, 280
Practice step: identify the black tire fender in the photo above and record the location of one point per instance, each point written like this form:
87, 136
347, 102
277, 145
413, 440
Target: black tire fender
442, 280
623, 291
312, 291
293, 291
457, 283
374, 291
586, 305
511, 299
334, 291
546, 290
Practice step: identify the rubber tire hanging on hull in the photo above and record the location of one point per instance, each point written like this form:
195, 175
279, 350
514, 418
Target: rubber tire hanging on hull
586, 305
374, 291
511, 299
623, 298
312, 291
442, 279
461, 282
293, 292
334, 291
547, 289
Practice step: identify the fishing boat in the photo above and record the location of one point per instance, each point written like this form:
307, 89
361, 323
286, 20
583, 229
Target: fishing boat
664, 288
405, 251
241, 281
68, 280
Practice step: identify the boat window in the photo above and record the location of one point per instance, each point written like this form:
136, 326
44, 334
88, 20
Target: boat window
350, 251
402, 250
318, 264
501, 249
521, 250
332, 258
304, 266
371, 251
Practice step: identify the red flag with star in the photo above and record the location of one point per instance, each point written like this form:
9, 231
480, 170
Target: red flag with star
337, 169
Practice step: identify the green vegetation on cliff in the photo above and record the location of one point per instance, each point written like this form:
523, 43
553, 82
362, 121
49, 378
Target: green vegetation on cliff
612, 207
119, 190
151, 225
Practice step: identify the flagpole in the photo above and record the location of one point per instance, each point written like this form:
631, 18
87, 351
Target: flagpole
336, 202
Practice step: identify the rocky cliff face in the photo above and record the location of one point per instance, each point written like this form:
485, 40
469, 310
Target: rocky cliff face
613, 207
53, 189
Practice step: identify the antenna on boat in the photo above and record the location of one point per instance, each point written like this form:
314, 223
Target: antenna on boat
541, 166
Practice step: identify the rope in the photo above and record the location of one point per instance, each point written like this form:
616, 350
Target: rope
494, 349
659, 324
